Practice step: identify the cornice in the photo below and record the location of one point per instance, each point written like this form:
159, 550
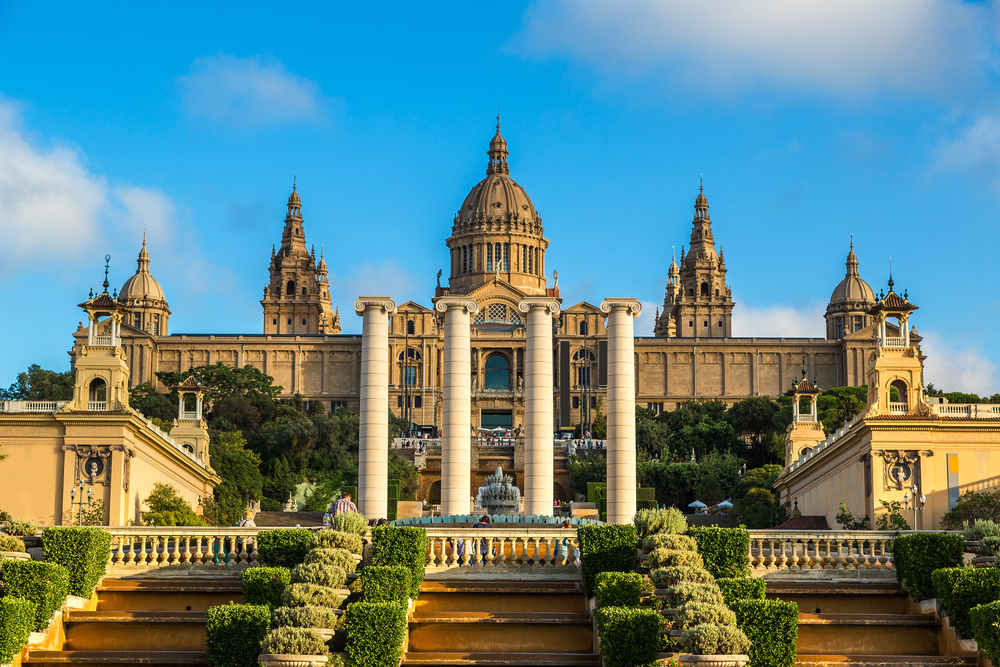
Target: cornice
550, 304
363, 303
630, 305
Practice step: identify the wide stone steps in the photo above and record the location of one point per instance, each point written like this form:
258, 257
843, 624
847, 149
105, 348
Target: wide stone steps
859, 597
180, 594
522, 659
817, 660
117, 658
134, 630
868, 634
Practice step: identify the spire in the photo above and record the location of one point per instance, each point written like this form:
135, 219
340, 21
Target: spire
107, 266
852, 260
701, 202
293, 238
890, 276
498, 154
143, 260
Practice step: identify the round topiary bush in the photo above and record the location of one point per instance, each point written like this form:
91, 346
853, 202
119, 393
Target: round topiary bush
652, 521
294, 641
710, 639
336, 539
307, 617
311, 595
669, 541
665, 577
699, 613
341, 558
319, 573
673, 558
687, 592
11, 543
350, 522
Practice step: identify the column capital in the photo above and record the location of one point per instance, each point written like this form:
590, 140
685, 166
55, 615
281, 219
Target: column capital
444, 303
363, 303
631, 305
549, 303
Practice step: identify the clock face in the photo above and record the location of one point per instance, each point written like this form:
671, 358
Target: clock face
900, 472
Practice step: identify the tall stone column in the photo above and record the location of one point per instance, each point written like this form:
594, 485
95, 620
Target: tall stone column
539, 424
456, 418
373, 441
621, 408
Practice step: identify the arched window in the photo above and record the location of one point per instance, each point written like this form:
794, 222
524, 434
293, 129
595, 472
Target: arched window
704, 289
410, 329
290, 289
583, 327
409, 366
898, 393
497, 371
98, 393
584, 361
190, 403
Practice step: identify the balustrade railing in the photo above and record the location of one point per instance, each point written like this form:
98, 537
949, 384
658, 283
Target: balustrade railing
143, 548
894, 341
97, 406
31, 406
811, 418
189, 415
898, 408
800, 551
968, 410
102, 341
519, 549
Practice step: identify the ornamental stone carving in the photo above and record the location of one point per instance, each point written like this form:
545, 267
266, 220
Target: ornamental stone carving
630, 304
386, 304
550, 304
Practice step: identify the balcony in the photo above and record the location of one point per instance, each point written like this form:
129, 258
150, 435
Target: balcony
31, 406
103, 341
811, 418
97, 406
189, 416
968, 410
894, 341
898, 408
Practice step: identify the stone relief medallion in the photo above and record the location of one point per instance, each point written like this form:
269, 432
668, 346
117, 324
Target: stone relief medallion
93, 464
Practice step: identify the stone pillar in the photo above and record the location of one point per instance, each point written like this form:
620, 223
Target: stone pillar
373, 441
539, 424
456, 418
621, 408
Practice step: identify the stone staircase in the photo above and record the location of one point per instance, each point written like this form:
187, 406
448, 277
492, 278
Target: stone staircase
862, 624
524, 621
154, 622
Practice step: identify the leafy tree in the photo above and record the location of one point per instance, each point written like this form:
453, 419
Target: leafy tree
406, 473
599, 424
583, 469
39, 384
971, 506
651, 435
224, 381
242, 480
892, 519
166, 508
756, 421
144, 398
838, 405
758, 508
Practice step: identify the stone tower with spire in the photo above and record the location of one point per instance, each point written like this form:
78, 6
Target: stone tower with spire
697, 302
497, 233
851, 302
143, 297
297, 298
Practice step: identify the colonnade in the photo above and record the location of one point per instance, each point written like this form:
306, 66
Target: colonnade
539, 424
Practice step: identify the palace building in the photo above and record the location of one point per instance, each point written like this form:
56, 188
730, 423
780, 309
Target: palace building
497, 257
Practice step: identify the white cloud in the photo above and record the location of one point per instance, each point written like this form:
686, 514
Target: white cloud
48, 200
849, 48
387, 278
976, 150
146, 211
248, 91
647, 319
953, 367
779, 321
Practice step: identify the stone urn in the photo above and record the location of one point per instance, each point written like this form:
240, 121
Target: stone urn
292, 660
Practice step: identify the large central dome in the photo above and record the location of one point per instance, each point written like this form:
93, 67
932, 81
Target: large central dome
497, 232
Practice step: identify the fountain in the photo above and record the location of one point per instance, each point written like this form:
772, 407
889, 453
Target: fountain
499, 496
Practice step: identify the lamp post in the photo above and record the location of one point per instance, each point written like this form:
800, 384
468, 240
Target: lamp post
915, 502
77, 502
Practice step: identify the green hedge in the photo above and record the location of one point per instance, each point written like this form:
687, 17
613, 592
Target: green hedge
375, 633
985, 620
772, 626
618, 589
741, 588
943, 582
84, 552
972, 587
385, 583
317, 573
606, 548
284, 547
629, 636
659, 521
310, 595
265, 585
916, 555
726, 551
338, 557
17, 620
234, 633
46, 584
336, 539
665, 577
663, 557
401, 545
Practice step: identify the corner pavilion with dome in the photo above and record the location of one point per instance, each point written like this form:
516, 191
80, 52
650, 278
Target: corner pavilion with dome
496, 257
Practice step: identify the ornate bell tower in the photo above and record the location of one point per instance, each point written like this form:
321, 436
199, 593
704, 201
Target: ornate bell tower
896, 379
189, 428
805, 431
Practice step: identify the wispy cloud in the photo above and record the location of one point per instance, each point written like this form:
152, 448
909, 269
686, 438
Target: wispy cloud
975, 149
145, 211
248, 91
957, 367
779, 321
849, 48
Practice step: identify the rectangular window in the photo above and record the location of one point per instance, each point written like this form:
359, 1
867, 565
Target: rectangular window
335, 405
576, 402
489, 256
418, 401
399, 401
859, 322
529, 260
506, 257
593, 402
411, 375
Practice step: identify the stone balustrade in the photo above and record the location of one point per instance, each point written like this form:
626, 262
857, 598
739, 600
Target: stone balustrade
898, 408
792, 551
968, 410
510, 549
103, 341
31, 406
894, 341
143, 548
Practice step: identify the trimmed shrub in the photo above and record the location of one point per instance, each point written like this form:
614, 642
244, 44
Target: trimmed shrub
665, 577
375, 633
606, 548
46, 584
618, 589
942, 583
630, 636
673, 558
669, 541
981, 528
335, 539
306, 617
653, 521
686, 591
385, 583
726, 551
699, 613
83, 551
707, 639
17, 620
265, 585
318, 573
917, 555
11, 543
401, 545
234, 633
772, 626
350, 522
972, 587
341, 558
985, 619
311, 595
741, 588
21, 528
295, 641
284, 547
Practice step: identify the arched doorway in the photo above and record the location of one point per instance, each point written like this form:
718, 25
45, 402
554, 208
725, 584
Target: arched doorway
434, 493
97, 394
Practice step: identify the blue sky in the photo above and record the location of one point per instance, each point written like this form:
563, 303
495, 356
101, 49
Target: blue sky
809, 123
